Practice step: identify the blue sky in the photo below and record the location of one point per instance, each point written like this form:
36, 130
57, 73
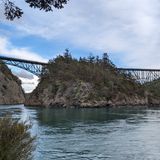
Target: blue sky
47, 37
49, 48
127, 29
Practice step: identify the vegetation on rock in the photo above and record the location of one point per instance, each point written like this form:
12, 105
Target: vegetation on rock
101, 73
87, 81
153, 87
6, 71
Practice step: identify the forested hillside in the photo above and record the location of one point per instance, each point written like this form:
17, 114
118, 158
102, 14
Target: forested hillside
91, 81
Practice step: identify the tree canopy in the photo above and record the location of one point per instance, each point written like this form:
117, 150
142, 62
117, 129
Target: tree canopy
12, 11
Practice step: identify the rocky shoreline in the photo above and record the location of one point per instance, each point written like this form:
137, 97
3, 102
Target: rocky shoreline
78, 95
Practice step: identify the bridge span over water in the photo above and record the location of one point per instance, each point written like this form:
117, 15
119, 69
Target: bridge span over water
139, 74
33, 67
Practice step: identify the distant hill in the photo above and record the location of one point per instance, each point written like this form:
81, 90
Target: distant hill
87, 82
10, 87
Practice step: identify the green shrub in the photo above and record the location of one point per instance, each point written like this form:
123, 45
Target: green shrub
16, 142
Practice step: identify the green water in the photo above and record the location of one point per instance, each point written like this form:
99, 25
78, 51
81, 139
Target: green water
92, 134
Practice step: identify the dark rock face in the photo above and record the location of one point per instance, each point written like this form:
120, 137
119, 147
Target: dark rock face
10, 87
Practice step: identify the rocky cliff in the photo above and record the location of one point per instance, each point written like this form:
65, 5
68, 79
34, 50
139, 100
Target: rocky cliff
10, 87
80, 94
91, 82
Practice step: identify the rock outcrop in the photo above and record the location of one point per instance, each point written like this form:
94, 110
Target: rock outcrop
10, 87
78, 94
89, 82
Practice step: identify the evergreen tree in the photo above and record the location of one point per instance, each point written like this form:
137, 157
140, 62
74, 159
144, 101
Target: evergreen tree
67, 54
105, 58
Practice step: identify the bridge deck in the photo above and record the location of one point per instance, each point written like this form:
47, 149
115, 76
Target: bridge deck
22, 60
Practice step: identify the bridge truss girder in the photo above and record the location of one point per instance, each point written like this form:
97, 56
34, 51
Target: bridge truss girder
141, 75
35, 69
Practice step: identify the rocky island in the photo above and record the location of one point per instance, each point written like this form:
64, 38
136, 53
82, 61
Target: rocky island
10, 87
87, 82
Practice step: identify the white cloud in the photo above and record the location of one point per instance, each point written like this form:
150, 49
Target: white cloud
29, 84
29, 81
7, 49
24, 74
128, 28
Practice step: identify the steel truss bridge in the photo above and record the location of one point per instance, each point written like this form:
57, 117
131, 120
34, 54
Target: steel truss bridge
34, 67
141, 75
